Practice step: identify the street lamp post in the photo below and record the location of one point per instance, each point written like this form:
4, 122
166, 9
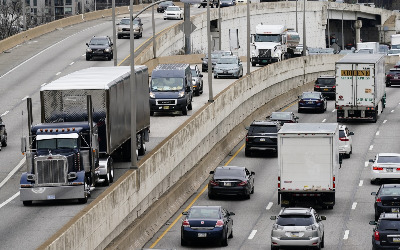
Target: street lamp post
304, 30
210, 95
297, 27
114, 34
248, 37
133, 88
329, 34
342, 30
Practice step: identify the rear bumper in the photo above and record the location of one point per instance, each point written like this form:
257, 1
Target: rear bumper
191, 235
178, 106
275, 241
217, 190
52, 193
375, 174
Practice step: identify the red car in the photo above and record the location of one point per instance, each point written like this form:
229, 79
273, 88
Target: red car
393, 77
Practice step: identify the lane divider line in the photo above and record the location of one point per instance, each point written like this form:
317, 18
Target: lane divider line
366, 164
5, 113
324, 120
9, 199
26, 97
58, 73
361, 183
354, 205
384, 121
253, 233
346, 234
371, 147
377, 133
269, 206
12, 172
43, 84
333, 110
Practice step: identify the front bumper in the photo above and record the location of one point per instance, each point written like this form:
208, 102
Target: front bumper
264, 60
171, 106
52, 193
226, 73
172, 16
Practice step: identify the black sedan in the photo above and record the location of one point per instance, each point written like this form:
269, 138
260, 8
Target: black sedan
231, 180
283, 117
206, 224
312, 101
393, 77
163, 6
386, 232
387, 199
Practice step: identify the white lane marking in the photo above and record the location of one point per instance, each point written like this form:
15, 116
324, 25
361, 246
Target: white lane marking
392, 111
377, 133
84, 55
26, 97
5, 113
354, 205
58, 73
366, 164
71, 63
12, 172
346, 234
43, 84
253, 233
361, 183
384, 121
333, 110
9, 199
371, 147
41, 52
269, 206
324, 120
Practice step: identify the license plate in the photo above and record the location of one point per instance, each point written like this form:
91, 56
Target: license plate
262, 139
165, 107
389, 169
395, 210
397, 240
201, 235
294, 234
225, 72
396, 77
310, 102
227, 184
51, 197
264, 61
326, 89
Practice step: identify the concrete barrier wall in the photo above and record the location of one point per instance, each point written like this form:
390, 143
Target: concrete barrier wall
135, 192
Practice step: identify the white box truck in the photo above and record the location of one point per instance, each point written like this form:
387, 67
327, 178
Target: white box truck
368, 48
308, 158
395, 41
360, 87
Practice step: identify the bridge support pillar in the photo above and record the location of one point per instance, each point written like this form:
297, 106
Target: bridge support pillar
358, 25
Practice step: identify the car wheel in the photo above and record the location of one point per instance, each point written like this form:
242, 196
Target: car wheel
215, 77
4, 142
253, 64
190, 107
151, 113
318, 247
165, 18
351, 150
87, 58
252, 190
224, 241
109, 57
247, 152
231, 235
347, 155
141, 34
184, 110
197, 93
373, 182
376, 216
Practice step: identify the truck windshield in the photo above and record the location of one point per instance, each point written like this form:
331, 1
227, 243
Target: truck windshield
61, 143
276, 38
167, 84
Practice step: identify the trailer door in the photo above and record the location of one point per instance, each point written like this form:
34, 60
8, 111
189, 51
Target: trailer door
345, 94
365, 90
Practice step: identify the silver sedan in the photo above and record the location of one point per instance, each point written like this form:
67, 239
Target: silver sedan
228, 66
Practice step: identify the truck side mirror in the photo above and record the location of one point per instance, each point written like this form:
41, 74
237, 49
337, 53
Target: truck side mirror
23, 145
340, 160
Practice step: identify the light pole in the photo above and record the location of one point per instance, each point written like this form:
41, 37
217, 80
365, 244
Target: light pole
154, 29
115, 53
210, 95
297, 27
248, 37
304, 30
329, 34
219, 24
342, 30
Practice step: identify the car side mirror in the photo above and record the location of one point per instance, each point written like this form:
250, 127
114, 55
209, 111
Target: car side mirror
201, 75
253, 173
296, 117
87, 44
351, 133
185, 213
372, 222
202, 58
323, 217
211, 172
371, 160
373, 193
231, 213
111, 44
247, 128
273, 217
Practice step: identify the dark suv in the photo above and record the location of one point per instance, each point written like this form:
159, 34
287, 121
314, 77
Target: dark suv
393, 77
326, 84
262, 135
3, 134
387, 199
386, 232
99, 46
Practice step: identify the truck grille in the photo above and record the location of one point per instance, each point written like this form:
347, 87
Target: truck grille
264, 53
51, 171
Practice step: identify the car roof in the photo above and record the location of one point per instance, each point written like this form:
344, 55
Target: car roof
264, 123
231, 167
296, 210
388, 154
282, 112
390, 186
326, 76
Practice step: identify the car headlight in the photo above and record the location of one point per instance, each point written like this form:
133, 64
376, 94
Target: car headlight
152, 95
107, 50
88, 50
237, 68
181, 93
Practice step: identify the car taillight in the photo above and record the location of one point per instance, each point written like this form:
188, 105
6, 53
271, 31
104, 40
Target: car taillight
247, 137
318, 101
378, 199
343, 139
220, 223
213, 183
185, 223
334, 184
334, 86
301, 101
376, 236
317, 87
377, 168
243, 183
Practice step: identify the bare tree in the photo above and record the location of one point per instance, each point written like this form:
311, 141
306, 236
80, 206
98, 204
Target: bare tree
10, 18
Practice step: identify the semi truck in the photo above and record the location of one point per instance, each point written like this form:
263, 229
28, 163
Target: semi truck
308, 173
273, 43
85, 123
360, 87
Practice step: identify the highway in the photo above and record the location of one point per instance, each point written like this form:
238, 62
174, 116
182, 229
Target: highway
23, 70
346, 226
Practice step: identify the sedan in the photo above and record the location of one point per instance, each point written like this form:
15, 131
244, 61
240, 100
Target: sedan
173, 12
162, 6
312, 101
230, 180
387, 199
393, 77
228, 66
227, 3
385, 166
197, 80
283, 117
345, 141
205, 224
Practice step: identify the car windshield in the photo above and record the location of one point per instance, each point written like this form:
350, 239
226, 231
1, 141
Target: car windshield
280, 116
165, 4
365, 51
125, 21
390, 191
327, 51
388, 159
223, 60
295, 220
326, 81
310, 95
167, 84
263, 129
267, 38
98, 41
173, 8
386, 225
63, 143
394, 72
204, 213
224, 172
393, 51
214, 55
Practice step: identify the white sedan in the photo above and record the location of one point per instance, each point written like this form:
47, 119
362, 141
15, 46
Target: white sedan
173, 12
385, 166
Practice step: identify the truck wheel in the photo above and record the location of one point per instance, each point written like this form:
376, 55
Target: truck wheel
190, 107
27, 203
184, 110
253, 64
142, 149
109, 178
4, 142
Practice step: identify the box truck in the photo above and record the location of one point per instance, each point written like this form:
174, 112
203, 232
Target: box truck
308, 159
360, 87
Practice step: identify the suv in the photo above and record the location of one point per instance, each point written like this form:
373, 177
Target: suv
197, 80
124, 27
387, 199
300, 227
215, 56
3, 134
262, 135
386, 232
99, 46
326, 84
393, 77
345, 141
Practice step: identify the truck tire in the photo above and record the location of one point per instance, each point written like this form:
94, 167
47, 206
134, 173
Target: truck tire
27, 203
253, 64
4, 142
184, 110
109, 178
142, 148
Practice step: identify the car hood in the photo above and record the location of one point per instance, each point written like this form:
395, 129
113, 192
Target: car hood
266, 45
172, 12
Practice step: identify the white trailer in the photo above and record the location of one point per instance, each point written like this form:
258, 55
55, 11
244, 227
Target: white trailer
368, 48
308, 158
395, 41
360, 87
